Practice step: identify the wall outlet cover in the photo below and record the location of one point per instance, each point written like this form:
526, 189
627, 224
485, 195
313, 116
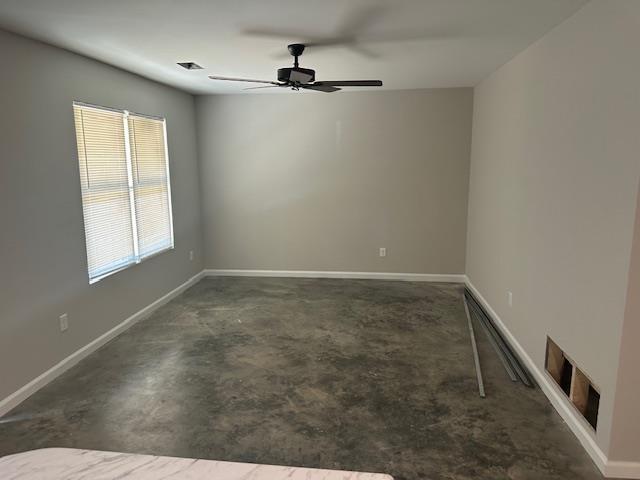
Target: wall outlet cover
64, 322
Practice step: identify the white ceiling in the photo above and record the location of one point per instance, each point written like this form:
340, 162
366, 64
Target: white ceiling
405, 43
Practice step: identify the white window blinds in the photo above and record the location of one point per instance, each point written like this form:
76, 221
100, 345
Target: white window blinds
151, 185
126, 196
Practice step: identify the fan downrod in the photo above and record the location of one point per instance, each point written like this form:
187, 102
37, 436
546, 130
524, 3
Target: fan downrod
295, 49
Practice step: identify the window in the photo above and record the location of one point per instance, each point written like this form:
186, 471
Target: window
126, 194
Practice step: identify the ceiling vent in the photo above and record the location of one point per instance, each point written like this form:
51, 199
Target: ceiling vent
190, 65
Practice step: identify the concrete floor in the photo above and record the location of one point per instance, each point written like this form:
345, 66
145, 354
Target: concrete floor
348, 374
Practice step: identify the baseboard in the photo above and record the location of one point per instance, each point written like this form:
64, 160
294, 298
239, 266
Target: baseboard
411, 277
615, 469
560, 403
37, 383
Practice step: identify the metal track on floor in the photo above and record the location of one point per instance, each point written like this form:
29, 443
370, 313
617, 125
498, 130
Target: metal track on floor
512, 364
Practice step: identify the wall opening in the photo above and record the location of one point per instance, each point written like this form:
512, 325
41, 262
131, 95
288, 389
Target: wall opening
579, 389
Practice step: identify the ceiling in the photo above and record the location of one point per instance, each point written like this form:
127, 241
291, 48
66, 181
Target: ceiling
405, 43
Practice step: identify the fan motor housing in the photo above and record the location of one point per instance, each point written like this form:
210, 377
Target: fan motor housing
296, 75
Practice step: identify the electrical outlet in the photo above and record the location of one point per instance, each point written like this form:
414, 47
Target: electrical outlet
510, 298
383, 252
64, 322
191, 255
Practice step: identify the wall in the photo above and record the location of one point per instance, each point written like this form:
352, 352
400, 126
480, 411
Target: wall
554, 180
625, 432
42, 249
316, 181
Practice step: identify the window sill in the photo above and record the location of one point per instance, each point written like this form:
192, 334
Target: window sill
129, 265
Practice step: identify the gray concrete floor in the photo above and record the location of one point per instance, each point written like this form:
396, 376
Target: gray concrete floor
348, 374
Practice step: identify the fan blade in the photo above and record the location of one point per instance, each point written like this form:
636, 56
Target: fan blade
350, 83
321, 88
288, 35
263, 86
232, 79
299, 36
362, 50
359, 20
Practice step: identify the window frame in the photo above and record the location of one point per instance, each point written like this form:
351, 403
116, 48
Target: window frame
137, 258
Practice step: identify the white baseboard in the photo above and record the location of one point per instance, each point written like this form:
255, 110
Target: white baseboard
559, 401
37, 383
411, 277
615, 469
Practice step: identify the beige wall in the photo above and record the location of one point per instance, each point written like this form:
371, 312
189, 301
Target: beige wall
42, 249
625, 432
315, 181
554, 178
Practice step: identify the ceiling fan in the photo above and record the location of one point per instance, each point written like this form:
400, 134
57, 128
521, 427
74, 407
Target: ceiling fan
297, 77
